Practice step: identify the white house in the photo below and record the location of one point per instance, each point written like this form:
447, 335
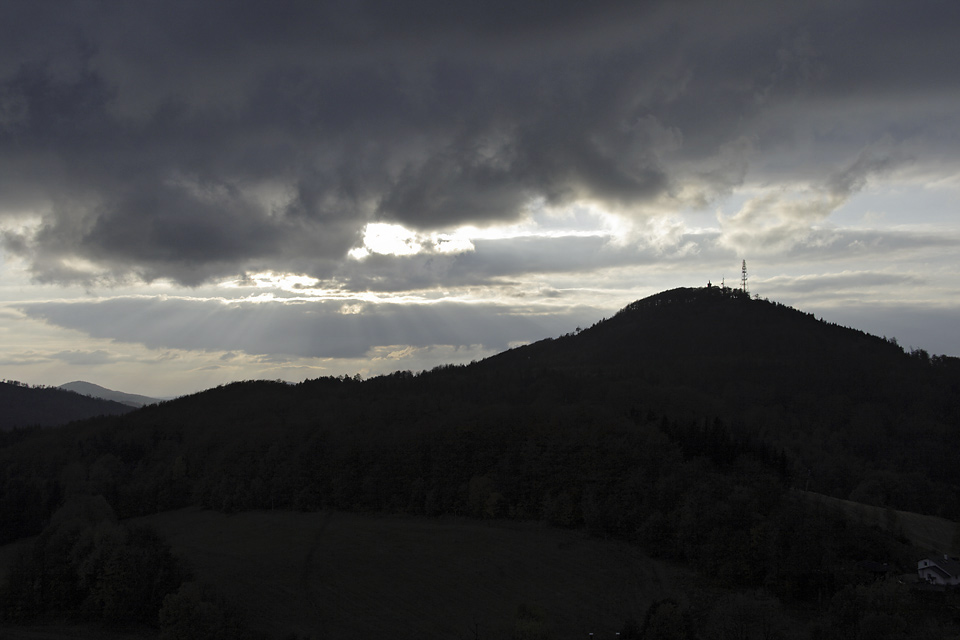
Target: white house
945, 570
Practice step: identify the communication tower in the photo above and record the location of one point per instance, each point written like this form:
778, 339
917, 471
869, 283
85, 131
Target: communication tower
743, 278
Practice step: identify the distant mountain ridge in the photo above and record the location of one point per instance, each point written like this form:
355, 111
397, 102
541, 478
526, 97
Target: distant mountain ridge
96, 391
25, 406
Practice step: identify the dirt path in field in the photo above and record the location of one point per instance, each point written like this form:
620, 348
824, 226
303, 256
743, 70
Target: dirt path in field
307, 575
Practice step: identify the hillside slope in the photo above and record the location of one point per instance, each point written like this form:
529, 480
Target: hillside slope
841, 403
23, 406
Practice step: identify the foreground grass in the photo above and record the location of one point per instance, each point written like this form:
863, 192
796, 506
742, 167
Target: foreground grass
341, 575
68, 631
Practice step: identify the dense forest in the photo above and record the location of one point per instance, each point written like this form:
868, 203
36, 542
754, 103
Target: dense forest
685, 424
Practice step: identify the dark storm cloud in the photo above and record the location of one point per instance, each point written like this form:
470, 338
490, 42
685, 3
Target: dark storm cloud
307, 329
194, 140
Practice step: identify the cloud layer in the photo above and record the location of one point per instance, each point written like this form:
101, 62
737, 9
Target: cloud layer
314, 329
196, 141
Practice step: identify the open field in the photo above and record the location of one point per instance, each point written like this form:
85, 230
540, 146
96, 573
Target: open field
927, 532
67, 631
342, 575
9, 553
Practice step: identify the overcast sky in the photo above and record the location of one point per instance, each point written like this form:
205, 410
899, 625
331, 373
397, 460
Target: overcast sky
195, 192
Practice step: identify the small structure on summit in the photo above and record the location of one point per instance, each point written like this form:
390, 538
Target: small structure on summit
733, 291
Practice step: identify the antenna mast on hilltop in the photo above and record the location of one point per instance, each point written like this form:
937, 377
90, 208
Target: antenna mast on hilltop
743, 278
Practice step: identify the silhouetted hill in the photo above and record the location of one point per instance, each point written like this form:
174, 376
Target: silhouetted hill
839, 401
708, 337
685, 424
96, 391
24, 406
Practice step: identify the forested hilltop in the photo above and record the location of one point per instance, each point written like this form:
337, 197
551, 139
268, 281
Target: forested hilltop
683, 424
22, 405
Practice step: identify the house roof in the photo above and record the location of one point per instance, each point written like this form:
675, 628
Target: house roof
934, 568
950, 567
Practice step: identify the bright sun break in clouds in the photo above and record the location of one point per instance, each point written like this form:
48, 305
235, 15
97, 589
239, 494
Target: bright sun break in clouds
541, 221
395, 240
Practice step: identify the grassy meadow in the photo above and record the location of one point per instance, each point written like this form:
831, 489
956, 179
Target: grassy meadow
343, 575
937, 535
329, 574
